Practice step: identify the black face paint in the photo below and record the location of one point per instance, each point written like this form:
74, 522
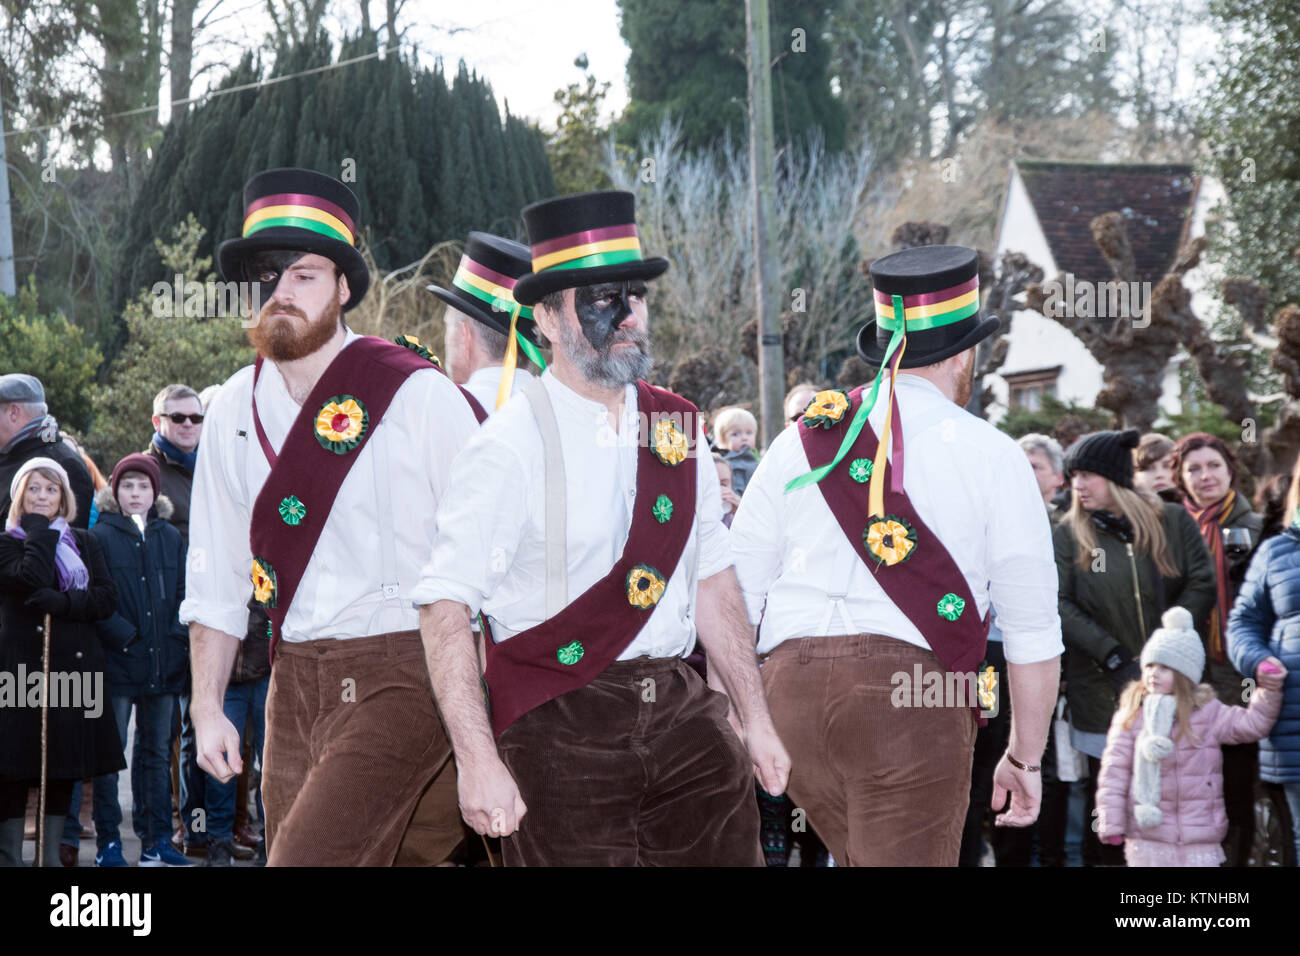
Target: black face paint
264, 269
602, 308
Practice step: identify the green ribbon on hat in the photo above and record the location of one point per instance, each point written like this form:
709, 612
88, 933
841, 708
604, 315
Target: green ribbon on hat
864, 410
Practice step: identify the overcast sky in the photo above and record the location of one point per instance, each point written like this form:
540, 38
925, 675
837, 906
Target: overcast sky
525, 48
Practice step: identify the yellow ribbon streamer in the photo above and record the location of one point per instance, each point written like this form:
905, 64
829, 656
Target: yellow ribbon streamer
512, 358
876, 493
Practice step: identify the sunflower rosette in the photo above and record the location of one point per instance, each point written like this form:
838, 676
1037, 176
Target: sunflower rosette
263, 582
413, 343
890, 540
669, 443
645, 586
827, 408
341, 424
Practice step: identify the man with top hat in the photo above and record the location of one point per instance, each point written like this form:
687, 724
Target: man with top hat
874, 562
580, 526
486, 327
325, 464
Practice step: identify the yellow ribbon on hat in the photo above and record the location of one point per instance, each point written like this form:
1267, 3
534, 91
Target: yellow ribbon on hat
512, 359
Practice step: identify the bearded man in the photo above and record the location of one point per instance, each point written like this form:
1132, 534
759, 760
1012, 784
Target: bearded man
323, 469
579, 524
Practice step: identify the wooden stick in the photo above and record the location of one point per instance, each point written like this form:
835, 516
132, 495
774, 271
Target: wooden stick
45, 746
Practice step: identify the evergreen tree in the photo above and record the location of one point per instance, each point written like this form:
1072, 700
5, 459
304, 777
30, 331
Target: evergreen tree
688, 61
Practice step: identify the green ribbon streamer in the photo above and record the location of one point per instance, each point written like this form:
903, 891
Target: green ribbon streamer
929, 321
860, 419
599, 259
532, 351
311, 224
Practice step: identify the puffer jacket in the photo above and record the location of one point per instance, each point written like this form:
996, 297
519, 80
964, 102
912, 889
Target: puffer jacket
1099, 612
1265, 622
148, 647
1191, 778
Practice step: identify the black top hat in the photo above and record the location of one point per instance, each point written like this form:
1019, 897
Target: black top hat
484, 283
581, 240
299, 209
937, 288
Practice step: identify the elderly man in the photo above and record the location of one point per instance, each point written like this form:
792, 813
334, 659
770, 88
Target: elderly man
486, 327
1047, 459
875, 581
26, 431
322, 471
580, 525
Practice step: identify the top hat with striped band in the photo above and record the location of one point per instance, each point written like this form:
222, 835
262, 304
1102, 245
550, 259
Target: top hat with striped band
936, 290
584, 239
299, 210
484, 284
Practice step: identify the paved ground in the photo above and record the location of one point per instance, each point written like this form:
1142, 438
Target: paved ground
130, 842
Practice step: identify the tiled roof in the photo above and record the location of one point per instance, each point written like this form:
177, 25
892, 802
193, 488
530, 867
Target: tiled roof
1156, 200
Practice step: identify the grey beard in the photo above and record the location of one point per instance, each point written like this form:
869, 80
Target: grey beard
605, 367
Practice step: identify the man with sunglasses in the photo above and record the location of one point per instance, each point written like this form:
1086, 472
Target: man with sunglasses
177, 423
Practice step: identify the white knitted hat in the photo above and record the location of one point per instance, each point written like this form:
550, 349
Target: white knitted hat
1176, 645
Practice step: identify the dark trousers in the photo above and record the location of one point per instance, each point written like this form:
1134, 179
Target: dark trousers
1240, 771
1012, 846
352, 741
193, 781
883, 785
242, 701
151, 803
638, 768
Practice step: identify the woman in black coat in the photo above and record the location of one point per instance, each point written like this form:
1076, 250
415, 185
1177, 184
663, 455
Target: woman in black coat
47, 567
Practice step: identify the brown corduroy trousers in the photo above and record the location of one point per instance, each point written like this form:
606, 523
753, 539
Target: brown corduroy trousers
353, 740
638, 768
882, 785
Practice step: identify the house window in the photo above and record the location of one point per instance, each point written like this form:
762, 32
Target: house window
1028, 388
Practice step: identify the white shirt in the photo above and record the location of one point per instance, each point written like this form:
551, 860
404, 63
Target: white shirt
484, 382
339, 595
970, 484
490, 549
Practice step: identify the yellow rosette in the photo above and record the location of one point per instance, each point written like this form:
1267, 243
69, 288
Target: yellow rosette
889, 540
827, 408
645, 586
668, 443
341, 423
263, 582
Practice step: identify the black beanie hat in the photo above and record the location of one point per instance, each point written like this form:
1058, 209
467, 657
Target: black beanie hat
1109, 454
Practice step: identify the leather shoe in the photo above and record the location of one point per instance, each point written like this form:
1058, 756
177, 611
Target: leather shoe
244, 835
195, 850
67, 855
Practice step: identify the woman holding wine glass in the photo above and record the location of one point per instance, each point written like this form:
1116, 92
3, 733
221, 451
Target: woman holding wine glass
1205, 471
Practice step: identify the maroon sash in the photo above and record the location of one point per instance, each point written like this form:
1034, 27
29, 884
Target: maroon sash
538, 665
370, 370
918, 584
474, 405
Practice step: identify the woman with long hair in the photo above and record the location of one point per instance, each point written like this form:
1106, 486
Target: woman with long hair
1206, 473
50, 568
1264, 624
1123, 557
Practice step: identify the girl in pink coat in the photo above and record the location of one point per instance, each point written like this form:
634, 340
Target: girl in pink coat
1160, 791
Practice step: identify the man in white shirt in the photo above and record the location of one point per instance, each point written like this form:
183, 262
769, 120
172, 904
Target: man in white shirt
868, 618
483, 317
324, 467
609, 743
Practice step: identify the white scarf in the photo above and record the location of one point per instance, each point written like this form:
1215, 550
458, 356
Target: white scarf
1153, 745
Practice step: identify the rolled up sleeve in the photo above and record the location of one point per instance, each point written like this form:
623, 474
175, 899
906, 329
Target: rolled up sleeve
480, 522
218, 579
1022, 567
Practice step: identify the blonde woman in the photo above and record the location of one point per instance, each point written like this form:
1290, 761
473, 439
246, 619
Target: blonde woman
1123, 558
48, 567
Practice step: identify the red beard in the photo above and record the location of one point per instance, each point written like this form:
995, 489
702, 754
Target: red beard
281, 339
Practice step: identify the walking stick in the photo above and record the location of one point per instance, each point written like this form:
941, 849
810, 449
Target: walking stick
45, 746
